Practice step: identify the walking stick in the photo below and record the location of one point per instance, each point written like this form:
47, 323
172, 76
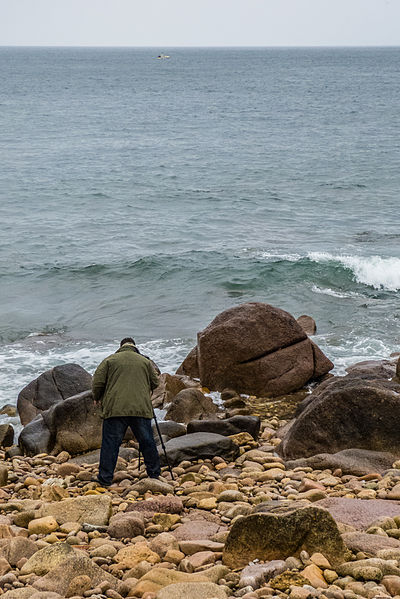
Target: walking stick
163, 446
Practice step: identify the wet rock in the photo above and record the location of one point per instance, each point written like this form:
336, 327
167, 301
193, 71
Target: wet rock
168, 429
199, 446
229, 426
256, 349
308, 324
269, 536
51, 387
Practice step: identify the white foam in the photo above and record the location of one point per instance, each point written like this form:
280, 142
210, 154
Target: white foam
20, 363
333, 293
375, 271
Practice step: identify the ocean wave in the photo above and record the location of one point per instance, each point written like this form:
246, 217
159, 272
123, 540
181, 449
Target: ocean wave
374, 271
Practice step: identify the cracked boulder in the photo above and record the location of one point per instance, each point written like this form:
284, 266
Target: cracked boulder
256, 349
50, 388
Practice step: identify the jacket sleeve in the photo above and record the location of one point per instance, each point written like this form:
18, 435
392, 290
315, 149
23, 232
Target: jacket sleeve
154, 382
99, 381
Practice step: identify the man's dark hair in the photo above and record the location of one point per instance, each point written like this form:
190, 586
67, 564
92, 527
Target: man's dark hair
127, 340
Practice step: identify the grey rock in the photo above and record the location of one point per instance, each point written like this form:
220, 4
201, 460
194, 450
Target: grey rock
343, 413
51, 387
229, 426
199, 446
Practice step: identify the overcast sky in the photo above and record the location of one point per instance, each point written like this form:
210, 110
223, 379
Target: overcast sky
163, 23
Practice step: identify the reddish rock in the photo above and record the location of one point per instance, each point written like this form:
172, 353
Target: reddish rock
367, 543
126, 526
359, 514
308, 324
197, 529
166, 505
257, 349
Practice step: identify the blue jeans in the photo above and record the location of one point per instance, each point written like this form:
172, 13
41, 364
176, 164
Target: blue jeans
114, 430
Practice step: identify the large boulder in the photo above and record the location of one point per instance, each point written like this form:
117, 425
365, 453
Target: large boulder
73, 425
198, 446
51, 387
256, 349
230, 426
346, 412
277, 535
190, 404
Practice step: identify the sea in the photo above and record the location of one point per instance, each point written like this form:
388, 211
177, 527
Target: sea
142, 196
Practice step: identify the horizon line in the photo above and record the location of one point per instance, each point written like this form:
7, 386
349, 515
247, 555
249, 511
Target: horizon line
199, 46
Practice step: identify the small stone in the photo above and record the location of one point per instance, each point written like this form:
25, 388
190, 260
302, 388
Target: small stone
166, 521
44, 525
130, 556
320, 560
314, 575
330, 576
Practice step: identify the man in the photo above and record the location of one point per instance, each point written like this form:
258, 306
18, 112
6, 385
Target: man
122, 385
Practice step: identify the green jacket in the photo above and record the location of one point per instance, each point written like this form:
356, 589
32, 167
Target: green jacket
123, 383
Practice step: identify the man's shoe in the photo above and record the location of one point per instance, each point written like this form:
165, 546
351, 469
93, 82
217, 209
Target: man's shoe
100, 483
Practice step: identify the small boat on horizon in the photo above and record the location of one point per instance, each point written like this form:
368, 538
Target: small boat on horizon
162, 56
